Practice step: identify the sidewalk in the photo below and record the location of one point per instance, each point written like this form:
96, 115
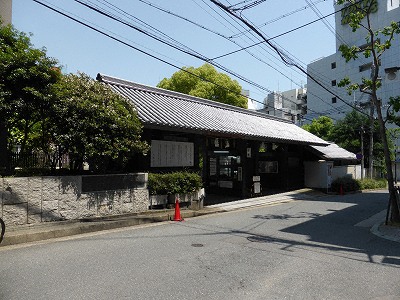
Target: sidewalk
43, 231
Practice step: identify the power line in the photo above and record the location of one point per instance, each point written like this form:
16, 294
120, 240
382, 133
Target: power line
285, 58
214, 32
195, 54
139, 49
133, 47
221, 35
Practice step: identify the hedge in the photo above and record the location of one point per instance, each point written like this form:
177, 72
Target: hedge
174, 183
349, 184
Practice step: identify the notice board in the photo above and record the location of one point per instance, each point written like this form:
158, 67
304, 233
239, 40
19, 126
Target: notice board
171, 154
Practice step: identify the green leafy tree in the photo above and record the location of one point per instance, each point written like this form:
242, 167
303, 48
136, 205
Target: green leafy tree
378, 41
26, 77
93, 124
349, 131
321, 127
205, 82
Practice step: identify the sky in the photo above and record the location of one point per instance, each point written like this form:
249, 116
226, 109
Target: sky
198, 27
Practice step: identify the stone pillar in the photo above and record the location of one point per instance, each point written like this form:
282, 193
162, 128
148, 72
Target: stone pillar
6, 11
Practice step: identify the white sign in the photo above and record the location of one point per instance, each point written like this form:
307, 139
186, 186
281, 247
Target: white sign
171, 154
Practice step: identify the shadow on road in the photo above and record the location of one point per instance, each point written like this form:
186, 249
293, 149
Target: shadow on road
336, 230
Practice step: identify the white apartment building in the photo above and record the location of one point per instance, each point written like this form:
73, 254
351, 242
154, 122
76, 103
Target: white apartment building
330, 70
288, 105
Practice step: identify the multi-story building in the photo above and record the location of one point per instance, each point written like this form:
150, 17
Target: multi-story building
328, 71
289, 105
6, 11
250, 103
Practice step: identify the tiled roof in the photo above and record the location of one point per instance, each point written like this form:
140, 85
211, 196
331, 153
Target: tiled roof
159, 108
334, 152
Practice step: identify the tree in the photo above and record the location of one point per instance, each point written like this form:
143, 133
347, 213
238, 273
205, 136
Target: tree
351, 133
93, 124
205, 82
26, 76
321, 127
378, 41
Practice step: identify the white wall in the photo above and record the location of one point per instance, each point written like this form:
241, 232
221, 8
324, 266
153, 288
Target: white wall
320, 100
316, 173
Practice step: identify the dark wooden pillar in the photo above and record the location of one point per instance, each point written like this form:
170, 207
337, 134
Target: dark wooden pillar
249, 154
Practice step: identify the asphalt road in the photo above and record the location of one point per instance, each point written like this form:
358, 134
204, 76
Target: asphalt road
314, 248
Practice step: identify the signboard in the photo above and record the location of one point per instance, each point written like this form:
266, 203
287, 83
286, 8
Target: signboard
213, 166
268, 166
171, 154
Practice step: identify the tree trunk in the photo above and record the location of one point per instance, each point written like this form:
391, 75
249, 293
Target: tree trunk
394, 212
4, 160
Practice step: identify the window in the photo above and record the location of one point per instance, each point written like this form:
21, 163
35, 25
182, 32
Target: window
368, 45
334, 99
365, 67
333, 82
333, 65
392, 4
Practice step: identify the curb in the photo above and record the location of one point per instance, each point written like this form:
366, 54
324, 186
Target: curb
376, 231
44, 231
15, 236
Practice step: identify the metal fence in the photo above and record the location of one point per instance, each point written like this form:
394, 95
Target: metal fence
34, 160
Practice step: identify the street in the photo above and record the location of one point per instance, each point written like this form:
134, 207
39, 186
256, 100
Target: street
314, 248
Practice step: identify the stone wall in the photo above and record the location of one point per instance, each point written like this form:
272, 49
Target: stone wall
28, 200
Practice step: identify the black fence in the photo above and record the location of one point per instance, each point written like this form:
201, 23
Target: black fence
33, 160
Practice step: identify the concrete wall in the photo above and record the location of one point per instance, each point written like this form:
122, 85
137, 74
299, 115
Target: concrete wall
28, 200
6, 11
351, 170
317, 175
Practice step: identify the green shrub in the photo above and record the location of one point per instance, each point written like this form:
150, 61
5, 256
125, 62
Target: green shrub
347, 183
370, 184
174, 183
350, 185
156, 184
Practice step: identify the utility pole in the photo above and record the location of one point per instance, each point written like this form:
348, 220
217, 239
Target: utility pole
362, 152
371, 140
371, 129
395, 162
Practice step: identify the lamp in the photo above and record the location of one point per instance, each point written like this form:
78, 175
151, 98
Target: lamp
227, 144
216, 143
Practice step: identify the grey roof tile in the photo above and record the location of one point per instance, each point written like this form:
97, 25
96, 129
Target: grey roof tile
159, 107
333, 151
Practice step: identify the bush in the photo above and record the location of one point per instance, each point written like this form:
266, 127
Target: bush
157, 184
350, 185
174, 183
370, 184
347, 183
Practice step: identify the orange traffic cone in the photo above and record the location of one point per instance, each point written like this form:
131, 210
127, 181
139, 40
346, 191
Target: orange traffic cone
177, 216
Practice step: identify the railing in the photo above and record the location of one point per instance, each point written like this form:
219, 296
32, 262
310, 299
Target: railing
33, 160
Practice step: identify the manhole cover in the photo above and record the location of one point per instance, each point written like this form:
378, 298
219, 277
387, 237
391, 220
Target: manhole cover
197, 245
